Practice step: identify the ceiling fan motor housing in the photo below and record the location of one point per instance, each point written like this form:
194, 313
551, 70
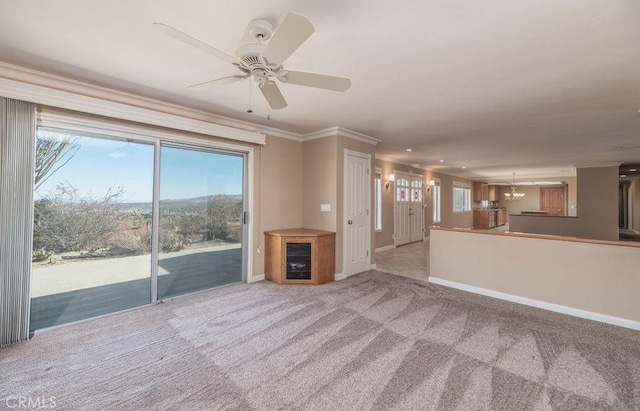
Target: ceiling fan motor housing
258, 67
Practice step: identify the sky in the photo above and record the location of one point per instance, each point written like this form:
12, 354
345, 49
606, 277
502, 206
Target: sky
101, 164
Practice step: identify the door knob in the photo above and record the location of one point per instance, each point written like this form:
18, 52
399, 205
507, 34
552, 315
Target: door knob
349, 222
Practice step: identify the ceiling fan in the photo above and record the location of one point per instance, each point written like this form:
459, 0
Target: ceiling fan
263, 60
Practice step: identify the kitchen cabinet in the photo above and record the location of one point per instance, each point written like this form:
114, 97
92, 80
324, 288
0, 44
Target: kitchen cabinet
502, 217
494, 193
300, 256
486, 219
480, 191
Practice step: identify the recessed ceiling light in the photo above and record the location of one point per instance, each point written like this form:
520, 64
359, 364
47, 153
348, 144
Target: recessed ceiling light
409, 149
463, 167
442, 161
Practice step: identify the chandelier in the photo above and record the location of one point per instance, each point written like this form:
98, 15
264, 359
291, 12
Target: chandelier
513, 195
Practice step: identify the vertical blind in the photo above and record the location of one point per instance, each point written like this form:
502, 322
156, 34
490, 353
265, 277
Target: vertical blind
17, 146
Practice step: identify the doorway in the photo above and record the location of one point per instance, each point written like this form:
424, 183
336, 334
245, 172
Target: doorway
121, 223
408, 209
553, 200
357, 218
623, 205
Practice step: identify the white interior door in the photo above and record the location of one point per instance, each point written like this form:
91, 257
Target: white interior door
357, 221
409, 212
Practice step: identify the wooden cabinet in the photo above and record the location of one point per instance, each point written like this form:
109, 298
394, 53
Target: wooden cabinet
485, 219
300, 256
480, 191
485, 192
494, 193
502, 217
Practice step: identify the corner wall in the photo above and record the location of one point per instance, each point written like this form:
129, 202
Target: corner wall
319, 173
278, 192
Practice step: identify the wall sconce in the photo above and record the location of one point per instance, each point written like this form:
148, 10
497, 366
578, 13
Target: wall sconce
390, 180
432, 183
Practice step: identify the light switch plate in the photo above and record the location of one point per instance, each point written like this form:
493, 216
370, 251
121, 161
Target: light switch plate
325, 207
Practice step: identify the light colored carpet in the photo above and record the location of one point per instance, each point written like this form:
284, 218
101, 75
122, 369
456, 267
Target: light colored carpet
373, 341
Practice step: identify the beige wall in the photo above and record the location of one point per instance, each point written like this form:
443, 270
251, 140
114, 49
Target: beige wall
602, 279
531, 200
319, 171
448, 217
384, 237
277, 192
572, 209
281, 184
597, 199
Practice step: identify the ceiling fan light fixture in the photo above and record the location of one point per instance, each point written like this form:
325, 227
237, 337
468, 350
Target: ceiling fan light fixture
260, 29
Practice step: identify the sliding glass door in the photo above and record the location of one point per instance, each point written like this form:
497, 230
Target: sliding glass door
201, 204
103, 206
92, 227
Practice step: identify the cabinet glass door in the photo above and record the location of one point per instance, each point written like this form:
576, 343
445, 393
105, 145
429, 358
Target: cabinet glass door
298, 264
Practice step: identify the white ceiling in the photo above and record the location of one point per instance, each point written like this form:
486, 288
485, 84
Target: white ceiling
499, 86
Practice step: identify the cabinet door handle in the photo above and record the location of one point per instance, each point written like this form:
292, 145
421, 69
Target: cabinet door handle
349, 222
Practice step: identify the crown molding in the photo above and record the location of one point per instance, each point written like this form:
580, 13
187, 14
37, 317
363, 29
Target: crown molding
611, 164
47, 89
52, 90
341, 131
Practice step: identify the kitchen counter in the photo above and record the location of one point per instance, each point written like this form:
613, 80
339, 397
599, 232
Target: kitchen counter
533, 212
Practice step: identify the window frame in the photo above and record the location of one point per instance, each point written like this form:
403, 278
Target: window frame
377, 189
436, 191
466, 188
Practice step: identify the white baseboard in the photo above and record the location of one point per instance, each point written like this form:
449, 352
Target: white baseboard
576, 312
340, 276
374, 266
256, 278
385, 248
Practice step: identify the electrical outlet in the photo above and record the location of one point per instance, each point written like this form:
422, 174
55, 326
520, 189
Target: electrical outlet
325, 207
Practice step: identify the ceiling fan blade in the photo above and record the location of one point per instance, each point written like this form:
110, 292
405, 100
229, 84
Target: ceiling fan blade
292, 32
223, 80
185, 38
273, 95
316, 80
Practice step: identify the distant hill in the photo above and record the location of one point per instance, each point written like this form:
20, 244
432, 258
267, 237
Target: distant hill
185, 204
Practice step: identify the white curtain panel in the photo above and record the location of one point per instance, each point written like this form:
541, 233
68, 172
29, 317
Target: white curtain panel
17, 147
